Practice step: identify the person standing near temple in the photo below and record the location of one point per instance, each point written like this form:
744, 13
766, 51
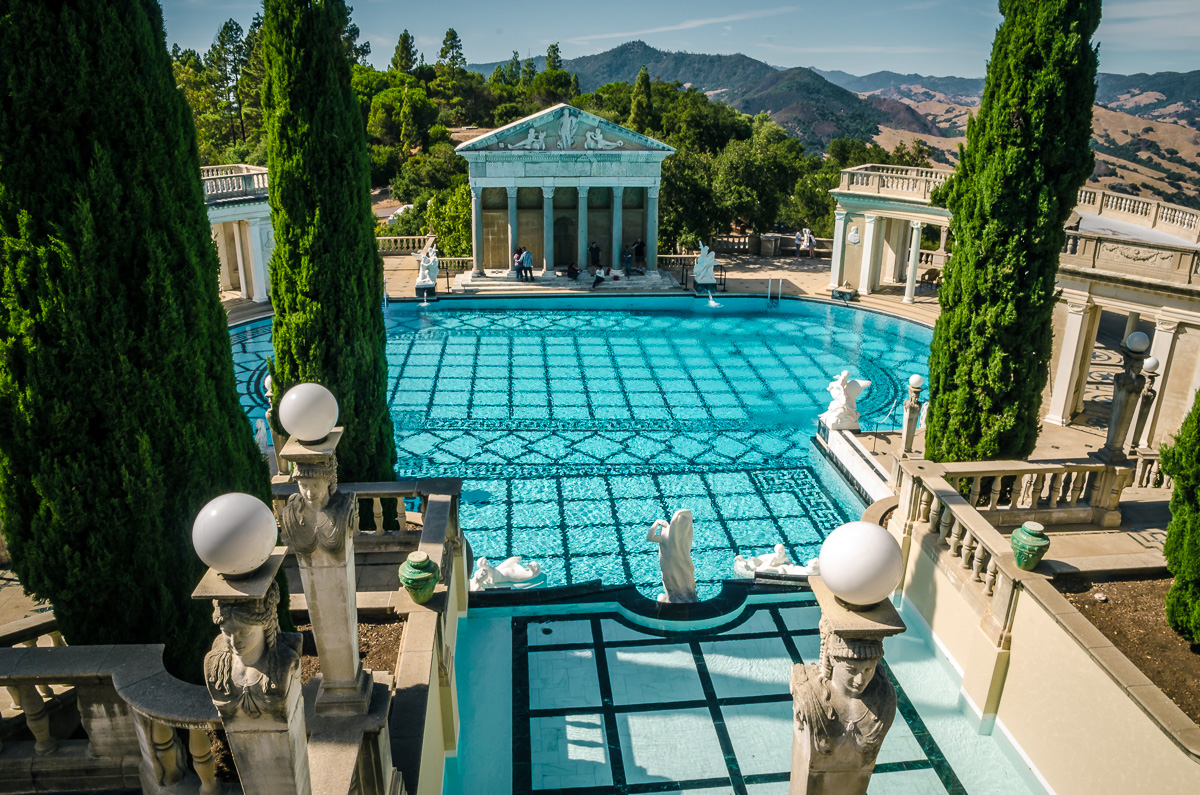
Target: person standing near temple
639, 254
799, 242
527, 264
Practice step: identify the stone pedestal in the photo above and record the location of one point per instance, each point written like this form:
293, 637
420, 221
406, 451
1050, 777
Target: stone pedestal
319, 524
842, 705
253, 678
1127, 388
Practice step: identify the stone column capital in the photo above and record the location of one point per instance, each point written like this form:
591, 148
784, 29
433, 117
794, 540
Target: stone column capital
1167, 324
916, 225
839, 215
618, 190
583, 191
476, 192
652, 192
1078, 307
547, 191
512, 191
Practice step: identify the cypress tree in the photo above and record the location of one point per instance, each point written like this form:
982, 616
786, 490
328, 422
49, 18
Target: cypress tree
1182, 548
119, 415
1026, 156
640, 109
326, 275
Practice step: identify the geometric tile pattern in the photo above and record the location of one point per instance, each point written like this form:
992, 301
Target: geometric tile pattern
720, 722
575, 429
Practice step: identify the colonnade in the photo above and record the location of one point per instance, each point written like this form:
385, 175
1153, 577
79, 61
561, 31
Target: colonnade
583, 235
885, 241
243, 248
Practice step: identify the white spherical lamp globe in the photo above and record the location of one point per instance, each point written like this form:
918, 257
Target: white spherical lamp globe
1137, 342
916, 381
860, 562
234, 534
308, 412
1150, 365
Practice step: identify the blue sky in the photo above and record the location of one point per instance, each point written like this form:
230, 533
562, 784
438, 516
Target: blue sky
939, 37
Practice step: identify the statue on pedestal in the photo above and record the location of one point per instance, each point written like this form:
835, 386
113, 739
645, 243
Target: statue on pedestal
251, 665
319, 515
675, 557
702, 271
842, 414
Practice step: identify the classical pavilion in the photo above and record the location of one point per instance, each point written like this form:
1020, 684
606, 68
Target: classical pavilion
558, 180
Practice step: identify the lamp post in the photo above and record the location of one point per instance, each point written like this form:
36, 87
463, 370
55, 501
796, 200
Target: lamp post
1127, 385
253, 670
319, 524
841, 700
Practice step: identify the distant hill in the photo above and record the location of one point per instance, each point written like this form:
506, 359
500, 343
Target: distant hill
803, 102
705, 72
880, 81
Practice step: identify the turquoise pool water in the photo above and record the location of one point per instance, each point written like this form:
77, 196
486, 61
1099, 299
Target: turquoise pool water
576, 423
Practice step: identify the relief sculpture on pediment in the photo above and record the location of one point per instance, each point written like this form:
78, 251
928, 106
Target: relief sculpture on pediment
534, 140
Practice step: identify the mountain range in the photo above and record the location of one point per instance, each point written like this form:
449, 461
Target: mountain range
1145, 126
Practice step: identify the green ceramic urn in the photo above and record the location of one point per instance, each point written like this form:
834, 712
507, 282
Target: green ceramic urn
419, 575
1029, 544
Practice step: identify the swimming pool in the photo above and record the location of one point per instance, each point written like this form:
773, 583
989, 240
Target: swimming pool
576, 423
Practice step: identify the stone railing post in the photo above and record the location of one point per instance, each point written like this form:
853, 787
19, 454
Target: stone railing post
29, 701
253, 678
319, 524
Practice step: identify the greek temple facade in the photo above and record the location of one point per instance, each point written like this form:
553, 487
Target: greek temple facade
559, 180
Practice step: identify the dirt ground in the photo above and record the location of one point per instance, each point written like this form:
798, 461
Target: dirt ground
1132, 618
378, 647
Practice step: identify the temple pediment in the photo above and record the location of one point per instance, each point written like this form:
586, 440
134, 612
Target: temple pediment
564, 129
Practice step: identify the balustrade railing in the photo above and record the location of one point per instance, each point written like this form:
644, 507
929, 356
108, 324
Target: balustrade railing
730, 244
235, 185
872, 178
402, 245
1148, 472
1009, 493
683, 264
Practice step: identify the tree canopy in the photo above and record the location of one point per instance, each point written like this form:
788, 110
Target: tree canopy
1027, 154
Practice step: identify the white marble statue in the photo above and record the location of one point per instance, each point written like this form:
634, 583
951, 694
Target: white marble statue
534, 140
567, 125
675, 557
596, 140
842, 414
261, 438
775, 563
507, 574
702, 271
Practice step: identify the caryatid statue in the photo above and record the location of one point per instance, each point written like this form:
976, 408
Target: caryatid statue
249, 670
320, 515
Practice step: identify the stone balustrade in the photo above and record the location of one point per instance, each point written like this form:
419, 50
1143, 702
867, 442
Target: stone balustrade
1067, 492
231, 183
407, 244
135, 715
918, 183
1150, 213
730, 244
1148, 472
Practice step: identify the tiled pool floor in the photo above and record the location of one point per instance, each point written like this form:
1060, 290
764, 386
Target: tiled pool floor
575, 429
601, 706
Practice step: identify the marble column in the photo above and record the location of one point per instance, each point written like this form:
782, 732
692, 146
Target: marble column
839, 250
652, 229
1131, 324
1162, 345
870, 242
581, 243
1068, 365
226, 276
512, 227
618, 194
914, 262
241, 259
258, 258
548, 229
477, 229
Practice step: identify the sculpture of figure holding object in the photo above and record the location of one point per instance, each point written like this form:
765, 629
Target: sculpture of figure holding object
702, 271
595, 140
675, 557
510, 572
567, 125
842, 414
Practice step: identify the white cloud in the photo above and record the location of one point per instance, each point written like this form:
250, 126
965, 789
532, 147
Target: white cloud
687, 24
